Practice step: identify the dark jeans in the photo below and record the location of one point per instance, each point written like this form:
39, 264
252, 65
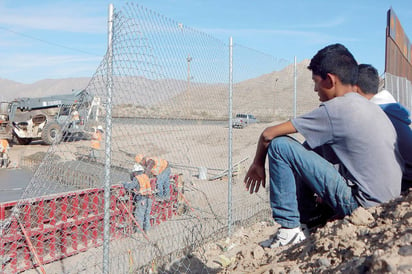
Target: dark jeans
406, 184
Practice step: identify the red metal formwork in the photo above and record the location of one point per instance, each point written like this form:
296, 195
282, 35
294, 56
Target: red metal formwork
46, 229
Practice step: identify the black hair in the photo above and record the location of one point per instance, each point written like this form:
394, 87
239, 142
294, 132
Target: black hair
335, 59
368, 79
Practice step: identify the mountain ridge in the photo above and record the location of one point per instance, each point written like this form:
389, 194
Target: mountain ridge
267, 96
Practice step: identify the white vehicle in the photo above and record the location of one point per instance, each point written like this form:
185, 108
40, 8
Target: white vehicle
241, 120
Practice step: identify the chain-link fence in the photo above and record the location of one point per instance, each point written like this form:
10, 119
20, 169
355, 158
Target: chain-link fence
163, 90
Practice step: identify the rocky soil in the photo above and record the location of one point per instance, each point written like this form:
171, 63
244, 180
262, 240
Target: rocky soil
374, 240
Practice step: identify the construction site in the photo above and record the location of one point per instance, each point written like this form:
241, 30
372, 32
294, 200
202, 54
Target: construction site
63, 209
151, 101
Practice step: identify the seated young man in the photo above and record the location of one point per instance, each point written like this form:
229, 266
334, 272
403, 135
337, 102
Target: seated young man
342, 130
368, 86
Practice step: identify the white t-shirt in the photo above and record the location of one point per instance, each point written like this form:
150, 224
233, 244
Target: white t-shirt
363, 139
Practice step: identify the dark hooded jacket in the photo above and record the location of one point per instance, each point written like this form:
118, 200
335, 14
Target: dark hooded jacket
400, 118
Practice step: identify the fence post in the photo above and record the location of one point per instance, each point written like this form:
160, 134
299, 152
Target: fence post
294, 88
230, 168
106, 229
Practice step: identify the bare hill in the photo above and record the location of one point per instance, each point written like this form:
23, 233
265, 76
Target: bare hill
268, 97
11, 90
272, 95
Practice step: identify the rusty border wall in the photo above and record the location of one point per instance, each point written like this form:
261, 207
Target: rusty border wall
398, 61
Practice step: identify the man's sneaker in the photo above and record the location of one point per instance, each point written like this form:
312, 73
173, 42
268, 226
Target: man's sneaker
286, 236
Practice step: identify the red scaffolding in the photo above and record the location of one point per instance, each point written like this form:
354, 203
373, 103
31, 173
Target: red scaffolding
49, 228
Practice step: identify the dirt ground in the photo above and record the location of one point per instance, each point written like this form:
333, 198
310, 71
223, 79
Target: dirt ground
377, 240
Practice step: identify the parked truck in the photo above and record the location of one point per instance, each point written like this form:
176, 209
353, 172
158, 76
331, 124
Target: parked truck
241, 120
50, 118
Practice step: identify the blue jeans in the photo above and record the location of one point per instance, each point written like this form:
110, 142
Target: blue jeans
295, 175
142, 212
163, 183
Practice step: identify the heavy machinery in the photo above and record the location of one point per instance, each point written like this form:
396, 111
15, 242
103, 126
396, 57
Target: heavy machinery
5, 129
51, 118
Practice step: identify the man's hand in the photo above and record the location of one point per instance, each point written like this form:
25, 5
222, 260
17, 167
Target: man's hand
255, 177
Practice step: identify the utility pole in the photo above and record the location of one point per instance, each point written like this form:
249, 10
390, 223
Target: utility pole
189, 59
274, 95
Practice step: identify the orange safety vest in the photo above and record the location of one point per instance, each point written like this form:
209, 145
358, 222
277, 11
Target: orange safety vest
4, 145
144, 182
159, 165
96, 139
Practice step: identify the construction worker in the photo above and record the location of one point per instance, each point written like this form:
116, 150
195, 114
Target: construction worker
160, 169
142, 195
96, 142
75, 119
4, 153
3, 118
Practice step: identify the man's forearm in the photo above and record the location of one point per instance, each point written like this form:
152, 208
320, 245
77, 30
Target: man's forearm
267, 136
261, 150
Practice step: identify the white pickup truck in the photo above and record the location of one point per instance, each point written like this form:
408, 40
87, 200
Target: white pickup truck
241, 120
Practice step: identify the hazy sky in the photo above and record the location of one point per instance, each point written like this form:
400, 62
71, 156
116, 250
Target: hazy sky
58, 39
